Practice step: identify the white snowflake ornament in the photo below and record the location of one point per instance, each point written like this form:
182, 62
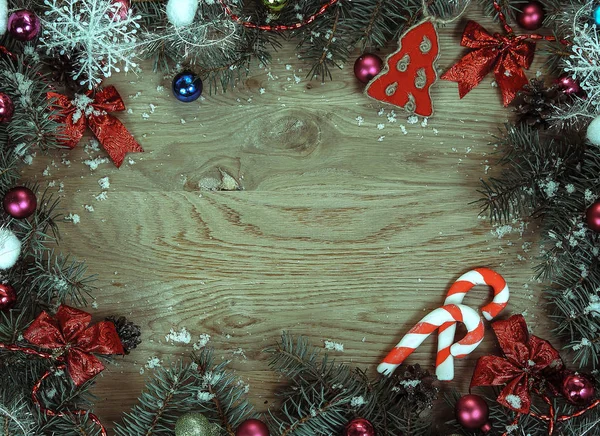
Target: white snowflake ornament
105, 44
10, 249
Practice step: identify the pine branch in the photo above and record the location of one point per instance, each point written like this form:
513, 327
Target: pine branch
169, 393
32, 125
57, 279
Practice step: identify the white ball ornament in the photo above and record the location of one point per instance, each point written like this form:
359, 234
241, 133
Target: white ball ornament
593, 131
10, 248
3, 16
181, 13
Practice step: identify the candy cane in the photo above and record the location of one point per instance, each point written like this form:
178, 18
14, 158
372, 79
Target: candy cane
456, 294
450, 313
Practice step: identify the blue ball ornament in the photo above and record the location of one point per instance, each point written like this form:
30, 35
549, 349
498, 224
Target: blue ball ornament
596, 15
187, 86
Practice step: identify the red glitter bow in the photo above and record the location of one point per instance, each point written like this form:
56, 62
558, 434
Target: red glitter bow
93, 111
505, 55
69, 333
526, 358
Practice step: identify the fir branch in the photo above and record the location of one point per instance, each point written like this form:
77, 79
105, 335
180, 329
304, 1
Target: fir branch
32, 124
168, 393
220, 394
57, 279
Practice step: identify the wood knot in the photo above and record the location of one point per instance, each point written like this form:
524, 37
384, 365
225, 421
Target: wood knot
286, 132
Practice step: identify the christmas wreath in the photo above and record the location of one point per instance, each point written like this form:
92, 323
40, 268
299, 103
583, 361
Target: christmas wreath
55, 56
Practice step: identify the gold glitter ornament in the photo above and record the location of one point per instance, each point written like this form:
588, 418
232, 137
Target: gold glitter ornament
195, 424
274, 5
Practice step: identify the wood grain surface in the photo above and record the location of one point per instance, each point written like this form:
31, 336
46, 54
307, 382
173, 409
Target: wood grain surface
335, 234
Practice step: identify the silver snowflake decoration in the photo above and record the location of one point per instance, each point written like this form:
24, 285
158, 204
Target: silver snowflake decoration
102, 37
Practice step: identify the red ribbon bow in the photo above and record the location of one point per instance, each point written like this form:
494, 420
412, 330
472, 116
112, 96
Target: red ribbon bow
505, 55
93, 112
527, 357
68, 332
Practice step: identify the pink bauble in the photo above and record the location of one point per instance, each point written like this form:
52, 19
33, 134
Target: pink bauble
24, 25
20, 202
252, 427
119, 10
8, 297
359, 427
7, 108
592, 217
367, 67
472, 413
569, 85
531, 16
578, 389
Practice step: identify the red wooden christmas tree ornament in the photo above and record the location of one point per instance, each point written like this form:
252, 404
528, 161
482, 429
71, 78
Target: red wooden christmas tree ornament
409, 72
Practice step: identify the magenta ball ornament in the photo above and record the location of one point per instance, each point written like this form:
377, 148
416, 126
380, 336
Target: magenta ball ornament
20, 202
359, 427
119, 9
472, 412
569, 85
531, 16
8, 297
592, 217
577, 389
24, 25
252, 427
367, 67
7, 108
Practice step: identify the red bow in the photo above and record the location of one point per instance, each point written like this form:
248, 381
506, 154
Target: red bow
68, 332
94, 113
505, 55
526, 358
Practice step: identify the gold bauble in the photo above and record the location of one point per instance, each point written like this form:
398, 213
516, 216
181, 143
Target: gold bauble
195, 424
274, 5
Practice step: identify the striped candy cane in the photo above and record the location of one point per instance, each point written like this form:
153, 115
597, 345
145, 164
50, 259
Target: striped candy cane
456, 294
450, 313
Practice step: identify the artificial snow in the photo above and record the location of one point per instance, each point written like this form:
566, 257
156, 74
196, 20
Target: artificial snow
204, 397
104, 182
410, 383
94, 163
181, 336
73, 217
202, 342
514, 401
357, 402
334, 346
153, 362
594, 306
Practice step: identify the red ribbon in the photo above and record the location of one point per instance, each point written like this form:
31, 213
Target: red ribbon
505, 55
68, 332
89, 110
528, 361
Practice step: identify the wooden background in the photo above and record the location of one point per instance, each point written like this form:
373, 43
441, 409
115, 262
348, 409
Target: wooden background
335, 234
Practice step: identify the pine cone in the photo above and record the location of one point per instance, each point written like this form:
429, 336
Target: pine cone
128, 332
537, 103
416, 386
63, 69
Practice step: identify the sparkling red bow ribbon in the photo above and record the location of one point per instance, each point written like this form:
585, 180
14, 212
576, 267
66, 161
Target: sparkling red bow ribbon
528, 361
505, 55
68, 333
93, 111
